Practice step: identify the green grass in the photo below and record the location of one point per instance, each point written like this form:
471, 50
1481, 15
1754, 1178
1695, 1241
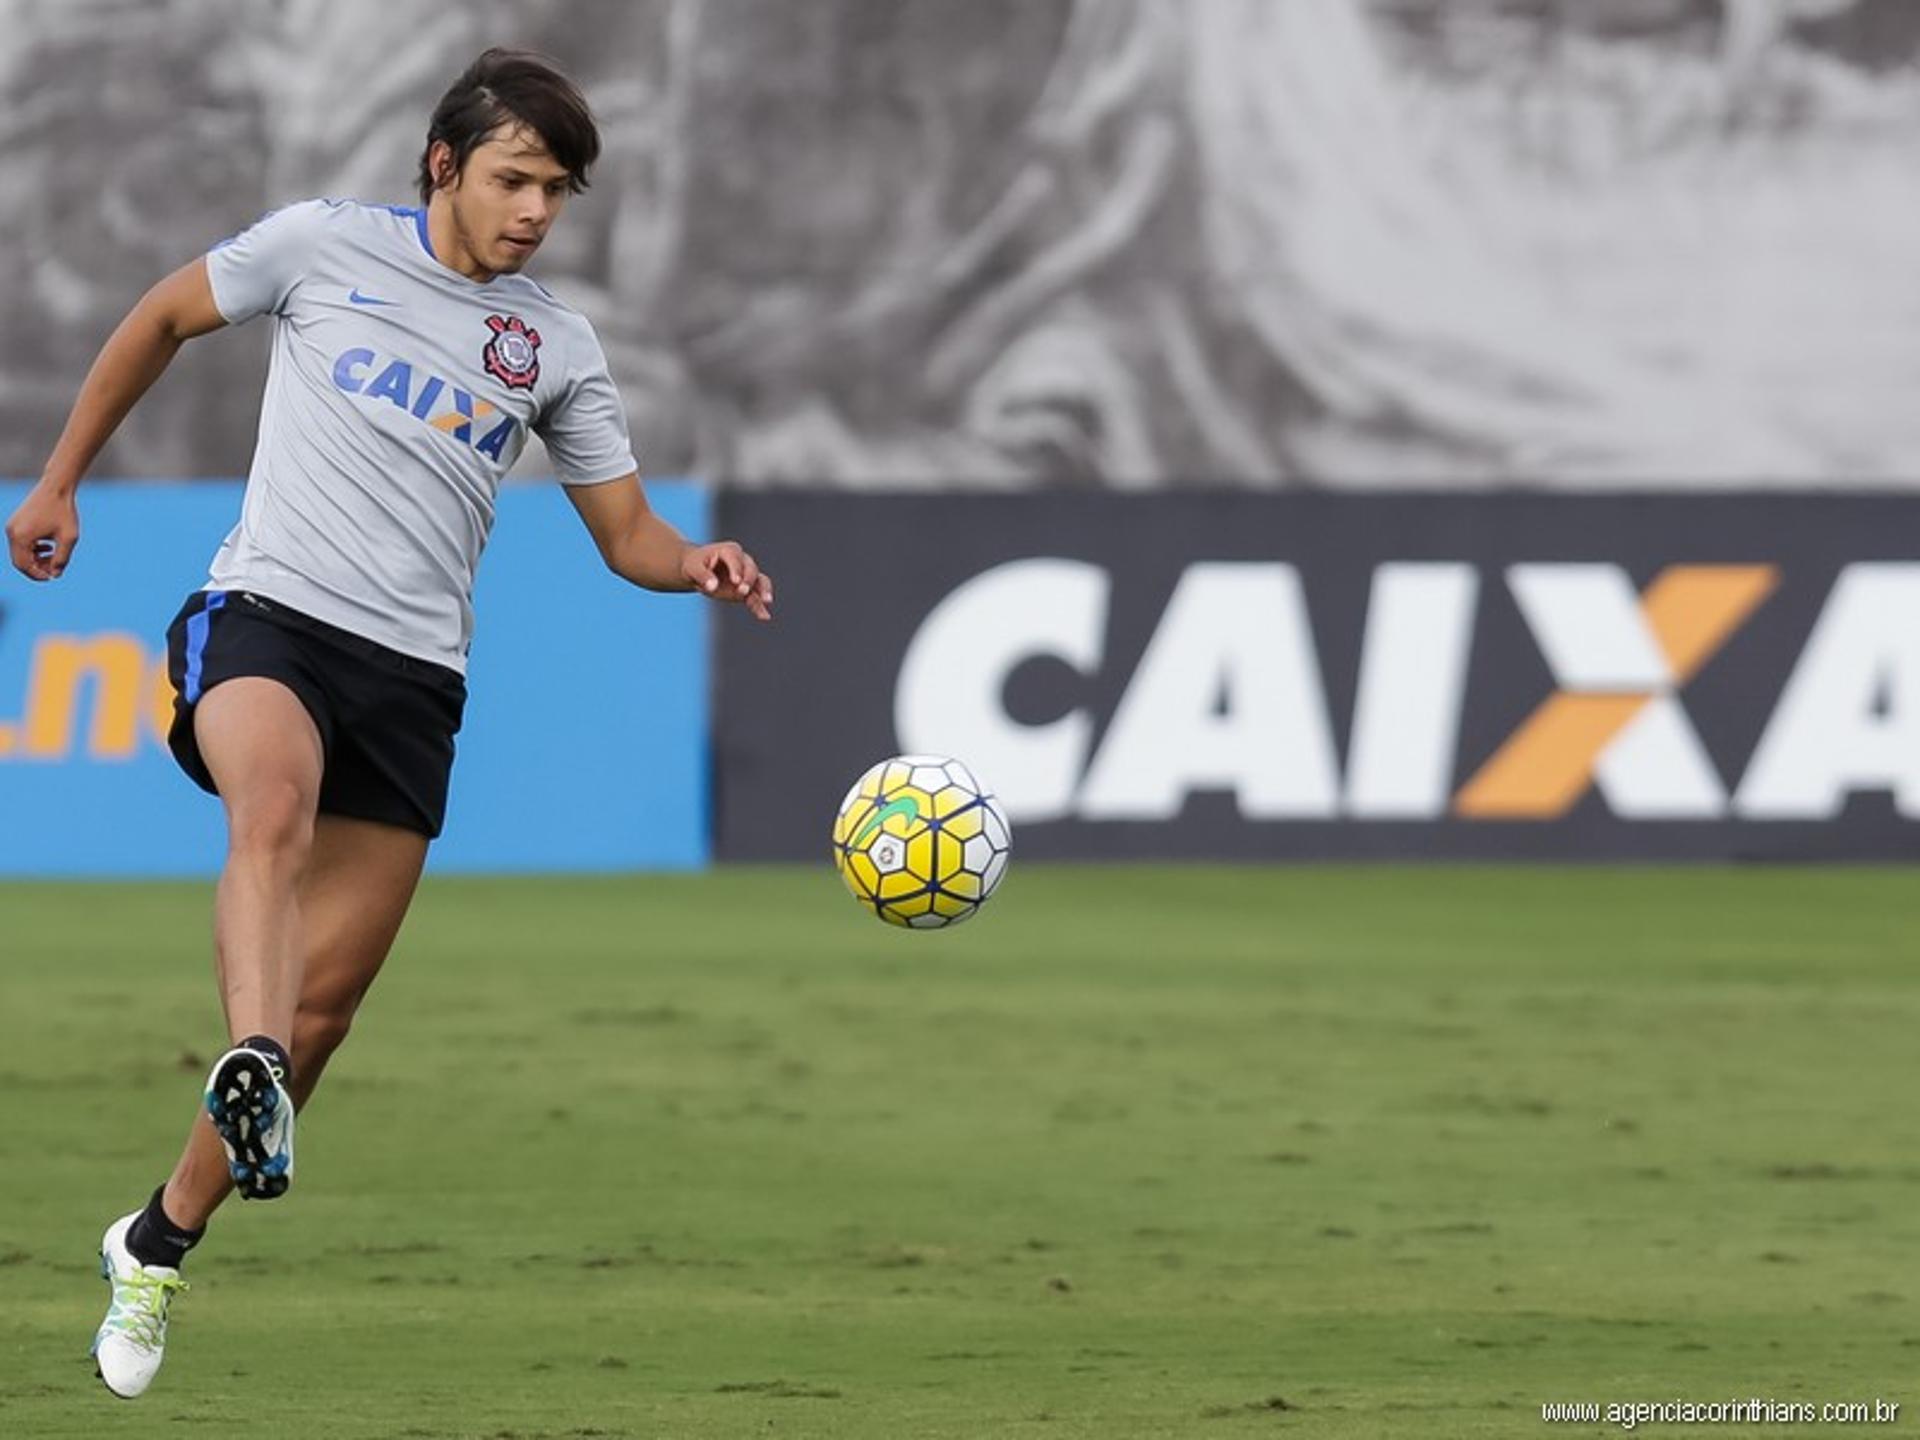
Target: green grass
1142, 1152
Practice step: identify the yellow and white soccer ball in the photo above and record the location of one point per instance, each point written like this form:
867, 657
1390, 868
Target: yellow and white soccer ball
920, 842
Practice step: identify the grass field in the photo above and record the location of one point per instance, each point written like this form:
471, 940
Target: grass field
1142, 1152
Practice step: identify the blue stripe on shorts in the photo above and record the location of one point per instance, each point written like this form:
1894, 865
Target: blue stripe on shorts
197, 628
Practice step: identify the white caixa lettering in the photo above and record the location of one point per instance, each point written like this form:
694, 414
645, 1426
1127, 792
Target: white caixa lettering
1229, 696
1849, 718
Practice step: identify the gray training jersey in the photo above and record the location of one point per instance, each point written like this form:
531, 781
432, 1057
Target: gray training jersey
399, 394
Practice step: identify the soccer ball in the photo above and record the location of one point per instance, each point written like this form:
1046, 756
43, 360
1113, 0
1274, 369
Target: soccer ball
920, 842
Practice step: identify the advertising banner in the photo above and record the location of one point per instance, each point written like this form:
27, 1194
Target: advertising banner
584, 746
1240, 677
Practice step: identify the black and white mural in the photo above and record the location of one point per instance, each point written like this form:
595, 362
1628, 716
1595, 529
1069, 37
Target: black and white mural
1024, 244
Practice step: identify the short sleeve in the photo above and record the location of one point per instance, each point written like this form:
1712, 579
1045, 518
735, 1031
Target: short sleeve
585, 428
254, 272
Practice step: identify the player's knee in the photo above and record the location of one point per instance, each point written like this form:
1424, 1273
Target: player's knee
274, 821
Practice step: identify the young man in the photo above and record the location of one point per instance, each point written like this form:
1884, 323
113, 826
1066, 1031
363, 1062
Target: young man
320, 672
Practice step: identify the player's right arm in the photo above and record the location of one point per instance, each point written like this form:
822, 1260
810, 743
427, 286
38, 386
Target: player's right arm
43, 531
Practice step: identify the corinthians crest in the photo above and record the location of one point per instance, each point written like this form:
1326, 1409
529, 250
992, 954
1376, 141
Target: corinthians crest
512, 356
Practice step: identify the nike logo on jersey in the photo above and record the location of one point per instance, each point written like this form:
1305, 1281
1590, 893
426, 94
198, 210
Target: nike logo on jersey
436, 402
359, 299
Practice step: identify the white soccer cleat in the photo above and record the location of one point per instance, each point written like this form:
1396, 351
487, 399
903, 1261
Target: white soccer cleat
248, 1102
132, 1340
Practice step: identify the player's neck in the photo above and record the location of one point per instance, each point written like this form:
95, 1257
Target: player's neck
444, 236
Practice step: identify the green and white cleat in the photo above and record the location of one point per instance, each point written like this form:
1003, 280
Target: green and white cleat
133, 1338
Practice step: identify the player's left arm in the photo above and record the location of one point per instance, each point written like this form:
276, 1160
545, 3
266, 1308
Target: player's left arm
643, 549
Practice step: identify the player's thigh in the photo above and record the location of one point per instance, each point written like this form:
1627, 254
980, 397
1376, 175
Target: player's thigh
359, 881
261, 745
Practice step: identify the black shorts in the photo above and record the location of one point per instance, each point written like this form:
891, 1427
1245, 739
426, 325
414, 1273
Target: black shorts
386, 720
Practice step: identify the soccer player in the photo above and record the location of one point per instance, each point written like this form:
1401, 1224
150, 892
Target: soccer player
320, 672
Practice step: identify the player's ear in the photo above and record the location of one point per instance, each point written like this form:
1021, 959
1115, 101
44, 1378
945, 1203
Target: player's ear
440, 164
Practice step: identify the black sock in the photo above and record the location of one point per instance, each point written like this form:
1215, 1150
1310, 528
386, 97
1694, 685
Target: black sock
273, 1050
153, 1239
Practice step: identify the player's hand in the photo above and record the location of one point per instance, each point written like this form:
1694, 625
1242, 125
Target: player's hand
42, 533
726, 572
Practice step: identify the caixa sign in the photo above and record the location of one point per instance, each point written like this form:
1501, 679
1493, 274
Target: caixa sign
1230, 697
1328, 676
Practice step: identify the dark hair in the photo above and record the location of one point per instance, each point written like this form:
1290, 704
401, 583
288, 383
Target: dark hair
508, 87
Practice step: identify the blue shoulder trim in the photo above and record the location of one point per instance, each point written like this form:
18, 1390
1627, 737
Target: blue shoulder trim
419, 217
